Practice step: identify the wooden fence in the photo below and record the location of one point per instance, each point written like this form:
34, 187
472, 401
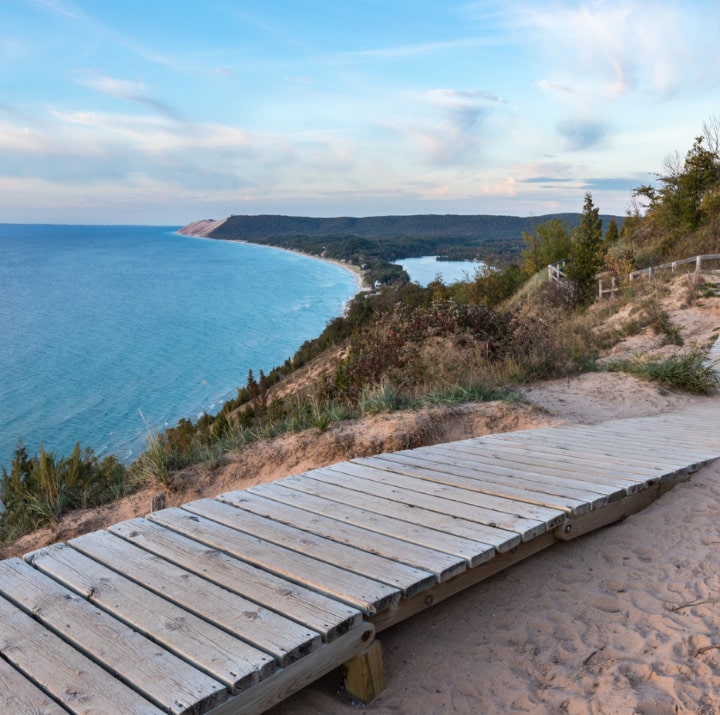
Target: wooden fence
556, 272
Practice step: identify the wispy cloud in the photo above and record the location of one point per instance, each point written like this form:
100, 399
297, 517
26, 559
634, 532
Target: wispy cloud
459, 97
611, 47
451, 135
415, 50
617, 183
131, 91
582, 134
59, 7
550, 86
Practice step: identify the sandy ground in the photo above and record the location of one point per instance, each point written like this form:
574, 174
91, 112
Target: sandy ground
625, 620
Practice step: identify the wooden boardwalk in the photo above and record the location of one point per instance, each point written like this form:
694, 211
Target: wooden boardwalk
228, 605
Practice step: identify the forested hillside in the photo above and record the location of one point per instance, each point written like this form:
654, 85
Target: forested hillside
389, 238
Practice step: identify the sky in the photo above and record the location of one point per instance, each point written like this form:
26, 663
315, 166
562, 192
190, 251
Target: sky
169, 111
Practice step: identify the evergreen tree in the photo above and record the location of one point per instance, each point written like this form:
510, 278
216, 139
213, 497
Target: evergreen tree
549, 243
586, 254
612, 234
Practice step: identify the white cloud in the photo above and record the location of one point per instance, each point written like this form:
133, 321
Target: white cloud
613, 48
127, 90
550, 86
459, 97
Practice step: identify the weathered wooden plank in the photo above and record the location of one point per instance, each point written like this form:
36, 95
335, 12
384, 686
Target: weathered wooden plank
436, 483
489, 457
576, 485
527, 528
631, 444
74, 680
207, 647
626, 456
500, 539
20, 696
652, 472
615, 438
541, 490
317, 612
281, 638
359, 591
472, 552
442, 565
164, 679
408, 579
563, 463
548, 482
285, 682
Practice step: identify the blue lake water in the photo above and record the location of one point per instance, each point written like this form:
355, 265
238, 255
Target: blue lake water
424, 270
104, 329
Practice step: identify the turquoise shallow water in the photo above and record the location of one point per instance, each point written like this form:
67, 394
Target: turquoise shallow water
106, 328
424, 270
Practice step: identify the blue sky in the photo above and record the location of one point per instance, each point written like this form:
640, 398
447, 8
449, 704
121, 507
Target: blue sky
167, 111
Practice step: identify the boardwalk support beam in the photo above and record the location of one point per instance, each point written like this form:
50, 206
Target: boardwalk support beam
364, 674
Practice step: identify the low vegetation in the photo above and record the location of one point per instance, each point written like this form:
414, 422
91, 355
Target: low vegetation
404, 346
689, 372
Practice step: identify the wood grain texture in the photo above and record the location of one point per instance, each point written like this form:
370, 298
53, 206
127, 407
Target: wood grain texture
280, 637
472, 552
316, 611
408, 579
205, 646
20, 696
433, 484
333, 487
364, 593
442, 565
80, 684
161, 677
285, 682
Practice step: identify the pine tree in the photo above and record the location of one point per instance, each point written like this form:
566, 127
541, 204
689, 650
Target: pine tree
612, 234
586, 255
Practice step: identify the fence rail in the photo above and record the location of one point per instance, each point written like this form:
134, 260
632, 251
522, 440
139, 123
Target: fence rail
556, 272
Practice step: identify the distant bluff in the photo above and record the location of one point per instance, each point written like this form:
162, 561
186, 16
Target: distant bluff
385, 237
418, 225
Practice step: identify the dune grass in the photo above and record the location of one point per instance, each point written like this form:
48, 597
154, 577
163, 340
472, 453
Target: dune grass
689, 371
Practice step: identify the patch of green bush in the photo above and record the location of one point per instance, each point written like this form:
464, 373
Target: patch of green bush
689, 372
38, 490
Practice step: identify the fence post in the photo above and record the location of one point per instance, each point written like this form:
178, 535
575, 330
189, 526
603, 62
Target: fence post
698, 264
600, 290
613, 287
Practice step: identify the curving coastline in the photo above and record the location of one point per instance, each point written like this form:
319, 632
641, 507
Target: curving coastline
204, 227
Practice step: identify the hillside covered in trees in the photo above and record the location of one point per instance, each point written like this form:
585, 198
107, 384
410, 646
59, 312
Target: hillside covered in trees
389, 238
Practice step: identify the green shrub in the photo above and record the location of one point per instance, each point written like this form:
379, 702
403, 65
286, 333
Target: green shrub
689, 371
40, 489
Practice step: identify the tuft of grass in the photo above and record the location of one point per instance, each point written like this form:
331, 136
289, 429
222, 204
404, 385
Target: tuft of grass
689, 372
459, 394
381, 398
38, 490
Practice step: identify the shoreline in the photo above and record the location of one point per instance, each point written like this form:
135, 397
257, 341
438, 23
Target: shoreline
202, 229
355, 270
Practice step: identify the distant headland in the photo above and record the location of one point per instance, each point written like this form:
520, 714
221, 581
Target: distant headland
388, 238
